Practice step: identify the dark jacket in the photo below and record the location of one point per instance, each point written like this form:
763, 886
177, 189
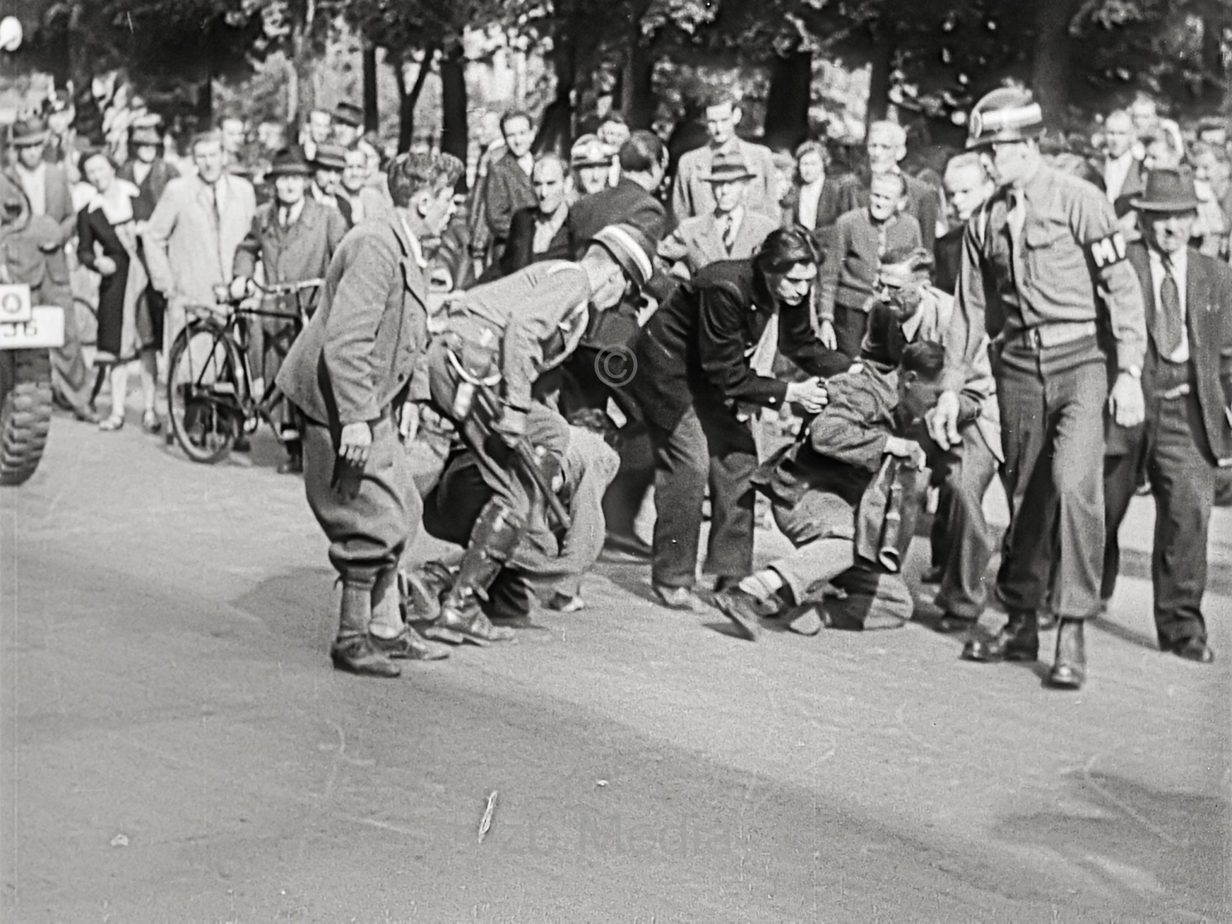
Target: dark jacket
829, 204
696, 347
947, 252
1208, 319
518, 252
151, 188
627, 202
507, 189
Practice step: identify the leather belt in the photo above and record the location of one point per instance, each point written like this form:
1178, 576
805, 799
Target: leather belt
1055, 334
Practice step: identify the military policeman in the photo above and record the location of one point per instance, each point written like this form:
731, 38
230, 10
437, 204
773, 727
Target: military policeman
348, 373
1039, 259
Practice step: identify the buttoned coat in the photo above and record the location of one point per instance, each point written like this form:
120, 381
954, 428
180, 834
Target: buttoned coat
697, 242
301, 251
358, 354
187, 250
1208, 321
691, 192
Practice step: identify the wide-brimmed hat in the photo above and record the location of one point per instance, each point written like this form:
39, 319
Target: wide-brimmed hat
329, 157
29, 131
144, 134
632, 248
288, 162
728, 166
349, 114
1167, 190
589, 151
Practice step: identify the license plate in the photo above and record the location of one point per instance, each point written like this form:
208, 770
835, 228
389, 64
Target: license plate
15, 306
44, 329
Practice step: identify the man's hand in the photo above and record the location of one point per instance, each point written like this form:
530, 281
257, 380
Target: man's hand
1126, 402
908, 450
942, 421
512, 425
825, 333
810, 394
408, 424
355, 444
106, 266
240, 288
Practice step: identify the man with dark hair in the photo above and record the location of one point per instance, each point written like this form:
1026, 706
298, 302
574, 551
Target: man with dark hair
348, 123
691, 193
349, 374
1188, 384
821, 489
698, 392
508, 187
642, 164
1043, 270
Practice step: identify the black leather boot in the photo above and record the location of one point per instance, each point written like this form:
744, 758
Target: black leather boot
1069, 670
352, 650
495, 535
1018, 640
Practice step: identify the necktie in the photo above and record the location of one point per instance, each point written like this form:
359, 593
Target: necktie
284, 216
729, 232
214, 203
1169, 324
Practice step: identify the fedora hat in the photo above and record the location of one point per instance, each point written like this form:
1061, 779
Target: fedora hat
288, 162
728, 166
29, 131
330, 157
1167, 190
144, 134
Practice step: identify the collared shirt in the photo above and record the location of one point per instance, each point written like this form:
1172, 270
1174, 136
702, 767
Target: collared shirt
1180, 272
1116, 172
416, 250
140, 171
527, 163
810, 198
729, 224
1068, 258
546, 227
34, 183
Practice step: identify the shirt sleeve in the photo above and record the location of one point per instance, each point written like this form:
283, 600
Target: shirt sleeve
1094, 224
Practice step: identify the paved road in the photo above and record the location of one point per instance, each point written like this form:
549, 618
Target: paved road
177, 748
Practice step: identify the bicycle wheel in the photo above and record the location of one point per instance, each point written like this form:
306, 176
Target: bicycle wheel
203, 375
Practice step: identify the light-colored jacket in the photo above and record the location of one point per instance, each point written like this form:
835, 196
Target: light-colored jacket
697, 242
187, 250
691, 192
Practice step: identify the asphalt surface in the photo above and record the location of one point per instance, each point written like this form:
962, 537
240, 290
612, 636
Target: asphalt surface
177, 748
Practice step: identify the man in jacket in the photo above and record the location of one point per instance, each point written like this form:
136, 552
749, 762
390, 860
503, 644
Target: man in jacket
886, 147
642, 160
53, 218
508, 187
539, 232
698, 390
349, 374
1187, 380
294, 238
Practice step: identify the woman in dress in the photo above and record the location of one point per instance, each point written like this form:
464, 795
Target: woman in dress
108, 244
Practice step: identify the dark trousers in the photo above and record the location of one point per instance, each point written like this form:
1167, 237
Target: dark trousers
1182, 481
706, 445
963, 543
368, 516
1052, 423
849, 325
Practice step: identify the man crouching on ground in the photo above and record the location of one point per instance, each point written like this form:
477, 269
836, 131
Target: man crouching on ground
349, 374
823, 486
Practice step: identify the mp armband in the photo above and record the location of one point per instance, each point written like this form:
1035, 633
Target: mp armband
1107, 250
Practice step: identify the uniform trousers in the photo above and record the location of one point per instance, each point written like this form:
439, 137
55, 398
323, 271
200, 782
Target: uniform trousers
1182, 481
1052, 401
369, 531
963, 543
707, 444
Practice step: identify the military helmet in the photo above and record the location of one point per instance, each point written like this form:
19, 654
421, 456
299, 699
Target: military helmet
1008, 114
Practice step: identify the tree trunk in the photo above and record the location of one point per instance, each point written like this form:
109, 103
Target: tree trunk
1050, 64
408, 98
787, 103
637, 83
884, 41
372, 115
305, 64
453, 105
556, 128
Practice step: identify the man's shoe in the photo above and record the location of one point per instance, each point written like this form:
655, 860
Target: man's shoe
805, 621
409, 645
1069, 669
473, 626
632, 546
679, 598
1018, 640
1192, 649
932, 575
87, 415
743, 609
950, 624
357, 656
242, 443
293, 466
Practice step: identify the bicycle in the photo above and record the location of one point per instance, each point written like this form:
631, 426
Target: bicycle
209, 377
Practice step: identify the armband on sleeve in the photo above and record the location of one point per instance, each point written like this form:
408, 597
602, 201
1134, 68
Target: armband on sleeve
1106, 251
